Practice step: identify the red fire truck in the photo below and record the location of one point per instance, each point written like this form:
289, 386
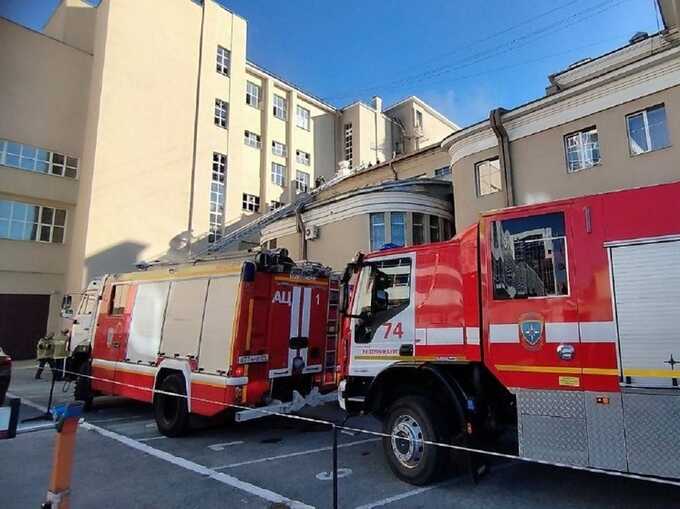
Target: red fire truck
252, 334
556, 323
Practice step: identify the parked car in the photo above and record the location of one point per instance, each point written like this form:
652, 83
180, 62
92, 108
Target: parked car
5, 374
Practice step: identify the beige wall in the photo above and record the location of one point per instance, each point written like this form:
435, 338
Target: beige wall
414, 165
540, 169
73, 22
434, 129
138, 189
41, 100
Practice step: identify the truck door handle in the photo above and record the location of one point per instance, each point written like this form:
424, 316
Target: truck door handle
406, 350
115, 344
565, 352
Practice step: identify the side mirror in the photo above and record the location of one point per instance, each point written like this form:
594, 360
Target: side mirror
363, 331
380, 303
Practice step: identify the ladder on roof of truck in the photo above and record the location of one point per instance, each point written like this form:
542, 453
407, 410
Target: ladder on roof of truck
330, 372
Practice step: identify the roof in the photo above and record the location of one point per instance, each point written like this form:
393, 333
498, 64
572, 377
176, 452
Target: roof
290, 84
596, 64
426, 107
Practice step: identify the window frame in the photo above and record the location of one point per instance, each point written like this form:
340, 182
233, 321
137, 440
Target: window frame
306, 119
302, 157
51, 160
252, 139
478, 181
247, 202
648, 138
283, 107
253, 99
218, 187
275, 174
580, 133
118, 311
302, 185
223, 60
348, 139
36, 225
402, 224
284, 149
221, 113
444, 171
371, 215
421, 225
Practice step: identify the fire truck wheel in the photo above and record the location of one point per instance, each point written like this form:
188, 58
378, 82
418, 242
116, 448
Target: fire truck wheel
83, 386
414, 419
171, 413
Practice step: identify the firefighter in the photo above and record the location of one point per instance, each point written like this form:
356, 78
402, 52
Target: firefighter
51, 351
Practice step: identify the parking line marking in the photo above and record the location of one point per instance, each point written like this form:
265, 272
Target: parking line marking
149, 439
130, 418
293, 454
418, 491
220, 447
187, 464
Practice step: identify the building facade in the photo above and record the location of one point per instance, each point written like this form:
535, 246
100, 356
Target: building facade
406, 201
137, 128
605, 124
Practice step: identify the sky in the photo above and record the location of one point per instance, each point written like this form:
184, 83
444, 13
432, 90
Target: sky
463, 57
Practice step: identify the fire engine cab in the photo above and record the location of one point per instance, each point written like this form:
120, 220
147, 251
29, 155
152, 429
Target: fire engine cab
557, 323
252, 334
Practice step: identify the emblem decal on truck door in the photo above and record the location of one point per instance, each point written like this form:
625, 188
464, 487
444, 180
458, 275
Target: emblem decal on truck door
531, 326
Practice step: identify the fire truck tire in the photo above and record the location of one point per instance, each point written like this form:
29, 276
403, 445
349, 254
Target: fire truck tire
415, 418
83, 386
171, 413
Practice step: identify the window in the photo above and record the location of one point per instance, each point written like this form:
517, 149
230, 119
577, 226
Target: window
280, 107
583, 149
251, 203
301, 181
434, 229
119, 297
29, 158
252, 94
442, 172
278, 174
383, 291
348, 143
447, 230
419, 118
377, 230
647, 130
221, 113
488, 177
529, 257
303, 157
273, 205
223, 60
217, 195
251, 139
302, 117
279, 149
398, 228
418, 229
24, 221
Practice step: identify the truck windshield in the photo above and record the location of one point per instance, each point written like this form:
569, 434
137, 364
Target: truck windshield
384, 286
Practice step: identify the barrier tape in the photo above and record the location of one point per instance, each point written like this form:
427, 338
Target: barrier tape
471, 450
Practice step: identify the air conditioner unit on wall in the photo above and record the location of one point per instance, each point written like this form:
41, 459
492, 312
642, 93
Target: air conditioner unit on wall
311, 232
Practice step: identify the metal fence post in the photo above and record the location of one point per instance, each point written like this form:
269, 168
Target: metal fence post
335, 467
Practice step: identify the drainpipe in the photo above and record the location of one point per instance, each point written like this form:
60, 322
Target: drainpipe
396, 175
496, 121
190, 221
301, 230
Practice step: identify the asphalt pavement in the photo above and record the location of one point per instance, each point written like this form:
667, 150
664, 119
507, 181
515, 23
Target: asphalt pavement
122, 461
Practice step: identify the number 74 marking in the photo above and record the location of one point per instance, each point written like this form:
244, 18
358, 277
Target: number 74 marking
396, 330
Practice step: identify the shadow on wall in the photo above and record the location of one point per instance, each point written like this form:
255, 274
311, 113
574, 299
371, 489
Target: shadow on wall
119, 258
